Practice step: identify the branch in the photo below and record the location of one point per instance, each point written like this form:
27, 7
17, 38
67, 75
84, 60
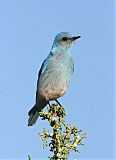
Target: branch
63, 138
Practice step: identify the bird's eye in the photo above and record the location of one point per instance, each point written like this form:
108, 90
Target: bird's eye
64, 38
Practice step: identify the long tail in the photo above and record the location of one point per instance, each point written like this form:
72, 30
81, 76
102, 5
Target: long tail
33, 116
34, 112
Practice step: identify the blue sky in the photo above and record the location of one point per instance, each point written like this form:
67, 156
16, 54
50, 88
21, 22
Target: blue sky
27, 30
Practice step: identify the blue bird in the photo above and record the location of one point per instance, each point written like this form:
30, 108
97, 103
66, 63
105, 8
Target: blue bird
54, 75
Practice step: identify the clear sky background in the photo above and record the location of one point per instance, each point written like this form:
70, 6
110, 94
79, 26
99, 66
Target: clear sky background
27, 30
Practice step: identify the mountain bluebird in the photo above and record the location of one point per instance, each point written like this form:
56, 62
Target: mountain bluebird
54, 75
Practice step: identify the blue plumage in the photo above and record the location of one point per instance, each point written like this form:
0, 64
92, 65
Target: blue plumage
54, 75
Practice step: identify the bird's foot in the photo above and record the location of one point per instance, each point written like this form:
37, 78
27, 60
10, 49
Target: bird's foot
58, 103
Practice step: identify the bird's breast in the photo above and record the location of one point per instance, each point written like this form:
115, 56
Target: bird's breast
56, 78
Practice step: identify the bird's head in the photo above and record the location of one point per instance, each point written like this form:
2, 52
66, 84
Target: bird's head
64, 40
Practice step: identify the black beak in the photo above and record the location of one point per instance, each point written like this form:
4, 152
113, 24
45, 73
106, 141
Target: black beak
75, 38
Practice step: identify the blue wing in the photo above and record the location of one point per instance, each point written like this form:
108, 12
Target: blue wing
43, 66
42, 69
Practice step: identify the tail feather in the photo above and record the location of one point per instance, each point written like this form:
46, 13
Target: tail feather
34, 112
33, 118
